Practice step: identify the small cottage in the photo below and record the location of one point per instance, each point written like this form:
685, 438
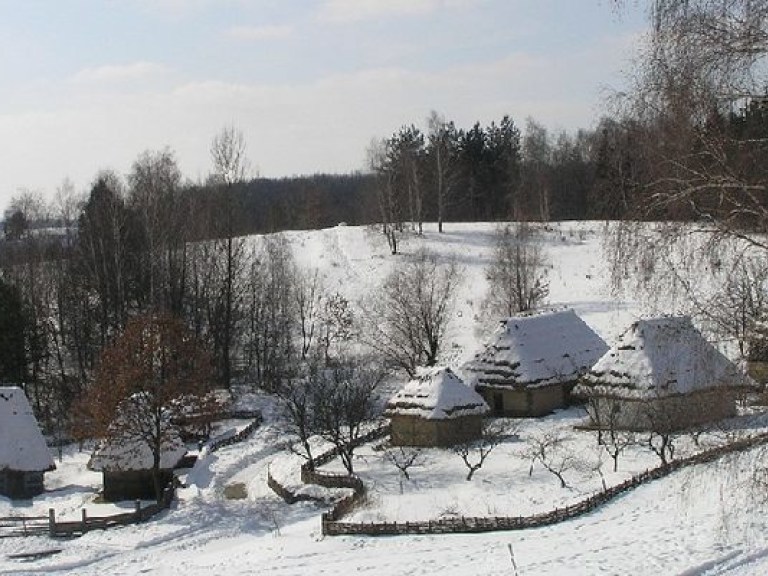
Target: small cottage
24, 455
532, 362
661, 375
126, 465
435, 409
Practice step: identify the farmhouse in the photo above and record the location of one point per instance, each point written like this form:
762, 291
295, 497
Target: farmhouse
126, 464
24, 455
661, 375
435, 409
533, 361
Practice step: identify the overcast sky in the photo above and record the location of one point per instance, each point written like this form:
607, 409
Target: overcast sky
90, 84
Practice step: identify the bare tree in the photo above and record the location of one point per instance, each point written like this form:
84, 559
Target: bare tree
271, 314
551, 450
409, 318
699, 101
475, 453
344, 401
610, 437
297, 399
536, 159
443, 153
336, 323
404, 458
389, 204
155, 181
307, 297
152, 364
517, 275
230, 166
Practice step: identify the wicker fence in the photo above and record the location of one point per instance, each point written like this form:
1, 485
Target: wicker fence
331, 524
240, 436
310, 475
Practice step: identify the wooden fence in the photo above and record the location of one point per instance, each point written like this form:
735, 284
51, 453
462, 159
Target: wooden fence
240, 436
310, 474
87, 523
331, 524
23, 526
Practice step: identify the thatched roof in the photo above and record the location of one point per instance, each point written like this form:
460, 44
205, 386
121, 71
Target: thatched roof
22, 446
124, 454
660, 357
436, 394
536, 349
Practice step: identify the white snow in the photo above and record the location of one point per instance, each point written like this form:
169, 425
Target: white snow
22, 446
537, 349
436, 394
658, 357
706, 520
125, 455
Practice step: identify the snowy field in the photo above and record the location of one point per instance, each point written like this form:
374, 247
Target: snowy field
704, 520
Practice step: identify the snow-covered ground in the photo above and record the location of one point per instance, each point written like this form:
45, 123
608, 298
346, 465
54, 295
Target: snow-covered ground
707, 519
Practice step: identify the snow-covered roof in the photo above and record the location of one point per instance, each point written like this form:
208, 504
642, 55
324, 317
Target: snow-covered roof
436, 394
536, 349
120, 454
660, 357
22, 446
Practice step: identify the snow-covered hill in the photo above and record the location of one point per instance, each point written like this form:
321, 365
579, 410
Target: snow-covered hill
708, 519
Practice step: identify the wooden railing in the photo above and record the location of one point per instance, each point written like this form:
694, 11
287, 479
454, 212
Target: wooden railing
23, 526
87, 523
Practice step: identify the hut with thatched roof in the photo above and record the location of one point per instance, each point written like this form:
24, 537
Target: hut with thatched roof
24, 455
532, 362
661, 375
126, 464
436, 409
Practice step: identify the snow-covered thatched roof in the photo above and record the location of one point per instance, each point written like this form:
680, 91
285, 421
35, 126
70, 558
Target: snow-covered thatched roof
660, 357
536, 349
22, 446
436, 394
121, 454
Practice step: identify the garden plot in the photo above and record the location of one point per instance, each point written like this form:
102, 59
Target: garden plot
511, 483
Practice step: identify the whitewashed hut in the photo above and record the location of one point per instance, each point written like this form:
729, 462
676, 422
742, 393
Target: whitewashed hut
532, 362
24, 455
435, 409
661, 375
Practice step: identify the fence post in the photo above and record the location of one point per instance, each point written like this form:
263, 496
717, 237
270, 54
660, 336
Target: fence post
85, 520
138, 510
51, 522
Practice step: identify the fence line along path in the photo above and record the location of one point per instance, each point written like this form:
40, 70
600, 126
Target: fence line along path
332, 524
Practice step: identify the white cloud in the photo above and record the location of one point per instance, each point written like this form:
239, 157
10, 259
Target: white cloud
258, 33
355, 10
116, 73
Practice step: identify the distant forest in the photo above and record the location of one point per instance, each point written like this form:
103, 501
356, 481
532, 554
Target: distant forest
73, 272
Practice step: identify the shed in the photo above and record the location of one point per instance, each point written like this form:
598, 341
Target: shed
24, 455
126, 464
661, 375
532, 362
436, 409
